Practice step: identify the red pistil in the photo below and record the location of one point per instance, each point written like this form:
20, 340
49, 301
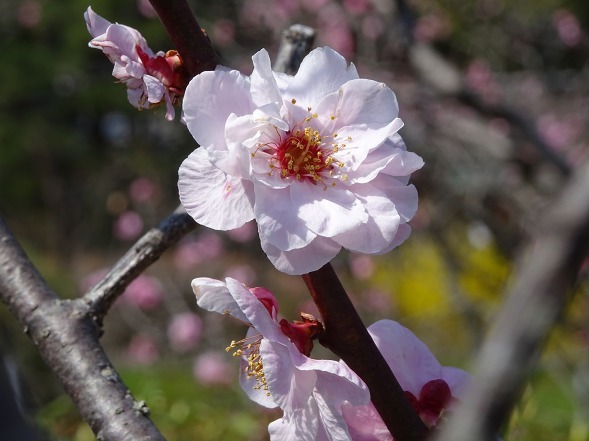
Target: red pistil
300, 155
169, 69
302, 333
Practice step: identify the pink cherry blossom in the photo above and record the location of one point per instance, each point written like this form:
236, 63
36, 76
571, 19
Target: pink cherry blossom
314, 158
430, 387
276, 370
145, 292
184, 331
142, 349
211, 368
151, 79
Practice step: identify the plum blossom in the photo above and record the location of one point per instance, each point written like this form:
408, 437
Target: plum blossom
430, 387
151, 79
276, 370
315, 159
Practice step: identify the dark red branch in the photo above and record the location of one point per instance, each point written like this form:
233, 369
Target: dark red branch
187, 36
347, 337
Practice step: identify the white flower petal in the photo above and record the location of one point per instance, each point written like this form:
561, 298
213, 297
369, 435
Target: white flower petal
457, 380
264, 88
361, 139
209, 99
290, 387
213, 295
95, 23
303, 260
388, 159
135, 97
155, 89
300, 425
213, 198
403, 196
363, 101
332, 420
256, 312
365, 424
278, 221
405, 163
327, 212
379, 231
409, 358
322, 72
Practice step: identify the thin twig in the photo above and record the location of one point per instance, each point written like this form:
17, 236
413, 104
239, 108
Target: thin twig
347, 337
67, 339
548, 270
295, 44
143, 253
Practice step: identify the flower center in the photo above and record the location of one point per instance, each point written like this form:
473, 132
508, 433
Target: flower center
304, 154
300, 155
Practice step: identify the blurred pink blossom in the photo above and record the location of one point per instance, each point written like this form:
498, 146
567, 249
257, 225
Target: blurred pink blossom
245, 233
335, 31
223, 32
287, 7
212, 368
431, 28
356, 7
205, 247
142, 350
377, 300
314, 5
245, 273
145, 292
372, 27
29, 14
142, 190
480, 78
184, 331
559, 133
128, 225
567, 26
361, 266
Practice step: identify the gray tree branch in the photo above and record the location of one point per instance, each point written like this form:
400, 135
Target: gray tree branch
540, 289
67, 339
143, 253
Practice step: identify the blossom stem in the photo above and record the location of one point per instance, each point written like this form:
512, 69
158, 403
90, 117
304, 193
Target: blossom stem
189, 39
347, 337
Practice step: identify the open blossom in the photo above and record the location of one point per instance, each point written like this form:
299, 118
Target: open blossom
151, 79
276, 370
315, 159
430, 387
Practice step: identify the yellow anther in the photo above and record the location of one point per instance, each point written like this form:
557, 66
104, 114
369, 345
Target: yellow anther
293, 101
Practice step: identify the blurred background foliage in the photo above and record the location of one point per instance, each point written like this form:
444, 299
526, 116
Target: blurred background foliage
494, 95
